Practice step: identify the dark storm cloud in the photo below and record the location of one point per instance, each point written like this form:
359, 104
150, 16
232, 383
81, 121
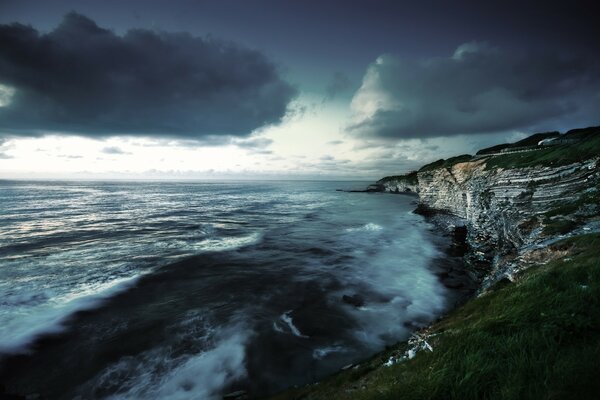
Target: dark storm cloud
86, 80
479, 89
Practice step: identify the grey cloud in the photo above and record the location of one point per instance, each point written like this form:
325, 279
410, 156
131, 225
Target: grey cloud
3, 148
262, 151
254, 143
478, 89
114, 150
327, 158
86, 80
335, 142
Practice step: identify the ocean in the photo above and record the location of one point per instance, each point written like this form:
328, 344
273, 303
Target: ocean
177, 290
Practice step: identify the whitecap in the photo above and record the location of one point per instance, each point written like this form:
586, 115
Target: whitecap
228, 243
369, 227
287, 318
17, 335
277, 328
322, 352
157, 375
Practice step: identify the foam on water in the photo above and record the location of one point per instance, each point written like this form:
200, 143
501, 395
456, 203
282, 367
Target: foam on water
287, 318
228, 243
369, 227
163, 373
397, 273
201, 376
67, 247
322, 352
302, 248
18, 333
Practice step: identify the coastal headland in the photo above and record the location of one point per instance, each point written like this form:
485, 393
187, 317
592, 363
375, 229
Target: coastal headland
529, 214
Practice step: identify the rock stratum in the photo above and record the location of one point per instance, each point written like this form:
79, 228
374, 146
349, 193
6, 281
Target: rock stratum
513, 201
531, 210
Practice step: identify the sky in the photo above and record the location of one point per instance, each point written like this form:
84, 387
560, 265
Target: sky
260, 89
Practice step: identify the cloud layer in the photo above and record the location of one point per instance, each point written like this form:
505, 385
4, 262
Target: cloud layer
479, 89
86, 80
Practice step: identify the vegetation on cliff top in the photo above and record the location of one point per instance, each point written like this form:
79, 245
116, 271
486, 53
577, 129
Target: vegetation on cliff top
410, 178
587, 146
538, 338
448, 163
532, 140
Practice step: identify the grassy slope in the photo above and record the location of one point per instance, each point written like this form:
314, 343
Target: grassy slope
532, 140
446, 163
550, 156
410, 178
587, 148
536, 339
569, 215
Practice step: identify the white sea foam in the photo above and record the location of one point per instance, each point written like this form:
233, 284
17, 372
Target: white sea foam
156, 375
17, 334
277, 328
228, 243
322, 352
370, 227
397, 271
287, 318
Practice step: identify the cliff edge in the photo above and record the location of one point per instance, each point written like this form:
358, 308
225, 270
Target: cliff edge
515, 199
532, 210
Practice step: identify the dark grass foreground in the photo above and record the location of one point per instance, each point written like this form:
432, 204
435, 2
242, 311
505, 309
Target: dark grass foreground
538, 338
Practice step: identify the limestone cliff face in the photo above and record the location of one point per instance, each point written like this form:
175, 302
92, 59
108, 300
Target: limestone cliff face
504, 208
400, 184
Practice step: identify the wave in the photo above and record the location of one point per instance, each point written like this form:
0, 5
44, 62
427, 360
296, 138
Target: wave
17, 335
369, 227
46, 312
287, 318
158, 374
322, 352
399, 289
228, 243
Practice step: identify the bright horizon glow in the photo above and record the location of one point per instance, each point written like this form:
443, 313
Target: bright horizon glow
308, 144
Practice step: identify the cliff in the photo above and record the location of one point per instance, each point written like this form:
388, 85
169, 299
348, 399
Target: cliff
408, 183
513, 201
534, 339
532, 213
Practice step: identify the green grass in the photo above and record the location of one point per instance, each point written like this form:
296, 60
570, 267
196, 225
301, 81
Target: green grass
560, 226
448, 163
587, 148
538, 338
570, 215
532, 140
410, 178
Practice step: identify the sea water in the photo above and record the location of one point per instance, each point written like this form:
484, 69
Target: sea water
176, 290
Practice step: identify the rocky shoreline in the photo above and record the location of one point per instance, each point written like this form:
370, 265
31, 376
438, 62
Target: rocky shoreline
506, 211
504, 214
